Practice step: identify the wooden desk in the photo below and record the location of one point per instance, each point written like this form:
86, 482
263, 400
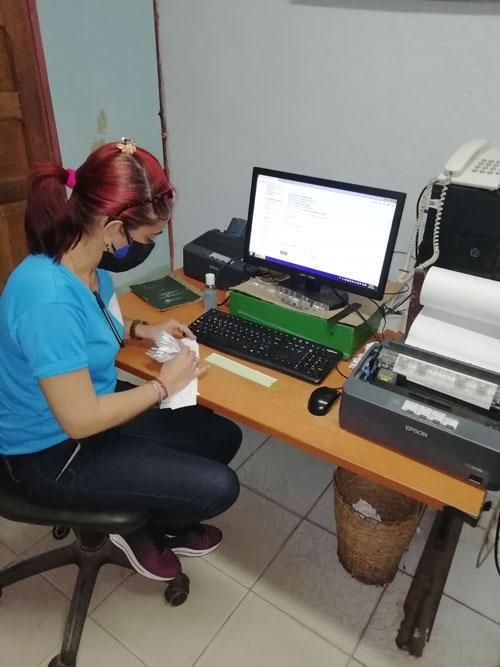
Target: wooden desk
281, 411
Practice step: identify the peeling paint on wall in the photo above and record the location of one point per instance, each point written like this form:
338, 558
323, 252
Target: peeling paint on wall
101, 130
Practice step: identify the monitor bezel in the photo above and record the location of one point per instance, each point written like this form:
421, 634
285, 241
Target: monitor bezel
373, 293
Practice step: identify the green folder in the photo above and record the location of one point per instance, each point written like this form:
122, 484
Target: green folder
165, 292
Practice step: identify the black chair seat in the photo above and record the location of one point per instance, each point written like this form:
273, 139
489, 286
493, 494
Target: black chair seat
16, 506
90, 551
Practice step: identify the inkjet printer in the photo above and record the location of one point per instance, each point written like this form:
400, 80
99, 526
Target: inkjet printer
220, 253
440, 411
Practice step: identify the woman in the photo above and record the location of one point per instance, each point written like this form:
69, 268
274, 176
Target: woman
68, 434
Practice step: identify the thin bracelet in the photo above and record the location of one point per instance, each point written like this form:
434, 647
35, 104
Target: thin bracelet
158, 391
163, 386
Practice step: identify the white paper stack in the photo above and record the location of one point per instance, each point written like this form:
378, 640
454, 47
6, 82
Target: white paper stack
460, 318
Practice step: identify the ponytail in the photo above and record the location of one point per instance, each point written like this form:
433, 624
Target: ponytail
49, 219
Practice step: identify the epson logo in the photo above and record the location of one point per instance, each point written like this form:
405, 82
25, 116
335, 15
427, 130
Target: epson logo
412, 429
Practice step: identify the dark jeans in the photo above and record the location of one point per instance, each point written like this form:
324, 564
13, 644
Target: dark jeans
172, 462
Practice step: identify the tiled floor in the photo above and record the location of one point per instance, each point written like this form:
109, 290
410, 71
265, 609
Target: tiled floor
273, 595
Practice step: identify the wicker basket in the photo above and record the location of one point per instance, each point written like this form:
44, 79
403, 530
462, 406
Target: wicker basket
370, 550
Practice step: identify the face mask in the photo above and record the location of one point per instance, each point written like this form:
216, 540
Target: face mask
127, 257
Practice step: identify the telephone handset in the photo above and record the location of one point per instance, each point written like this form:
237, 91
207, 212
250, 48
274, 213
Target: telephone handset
475, 165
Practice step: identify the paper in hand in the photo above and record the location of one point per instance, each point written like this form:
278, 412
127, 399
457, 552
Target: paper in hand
186, 396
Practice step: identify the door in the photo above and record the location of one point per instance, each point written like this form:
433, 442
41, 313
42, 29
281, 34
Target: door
27, 127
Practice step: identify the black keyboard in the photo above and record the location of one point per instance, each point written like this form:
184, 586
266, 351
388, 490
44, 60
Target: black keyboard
263, 345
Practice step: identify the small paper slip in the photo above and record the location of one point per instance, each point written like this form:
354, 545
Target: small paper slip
240, 369
187, 395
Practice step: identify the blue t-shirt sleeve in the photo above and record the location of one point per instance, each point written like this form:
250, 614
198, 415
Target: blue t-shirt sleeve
52, 338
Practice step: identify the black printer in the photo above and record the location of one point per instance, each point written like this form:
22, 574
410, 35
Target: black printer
220, 253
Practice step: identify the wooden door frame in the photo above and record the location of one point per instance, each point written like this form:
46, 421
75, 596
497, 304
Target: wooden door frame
20, 18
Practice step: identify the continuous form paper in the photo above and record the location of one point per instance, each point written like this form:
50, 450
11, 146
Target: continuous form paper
460, 318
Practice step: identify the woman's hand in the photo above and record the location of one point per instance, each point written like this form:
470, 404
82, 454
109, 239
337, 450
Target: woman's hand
173, 327
180, 370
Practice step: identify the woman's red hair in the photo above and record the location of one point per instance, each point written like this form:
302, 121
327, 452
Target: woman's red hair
109, 183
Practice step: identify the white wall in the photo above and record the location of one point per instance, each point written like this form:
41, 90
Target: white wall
373, 92
101, 63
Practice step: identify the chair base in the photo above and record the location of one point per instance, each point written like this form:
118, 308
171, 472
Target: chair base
90, 552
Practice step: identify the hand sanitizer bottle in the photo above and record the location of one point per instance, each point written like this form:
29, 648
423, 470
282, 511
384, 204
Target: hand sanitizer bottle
210, 294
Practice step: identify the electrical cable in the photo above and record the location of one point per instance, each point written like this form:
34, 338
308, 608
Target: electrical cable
435, 234
219, 271
339, 371
495, 548
397, 306
417, 216
223, 266
417, 209
369, 327
382, 310
225, 300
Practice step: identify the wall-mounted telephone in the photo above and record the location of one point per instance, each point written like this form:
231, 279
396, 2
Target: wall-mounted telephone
475, 164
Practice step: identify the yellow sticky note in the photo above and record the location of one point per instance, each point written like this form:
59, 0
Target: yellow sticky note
240, 369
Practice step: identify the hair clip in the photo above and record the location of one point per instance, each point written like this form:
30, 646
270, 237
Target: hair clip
127, 146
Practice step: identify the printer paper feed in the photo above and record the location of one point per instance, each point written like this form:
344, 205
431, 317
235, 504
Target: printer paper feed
460, 318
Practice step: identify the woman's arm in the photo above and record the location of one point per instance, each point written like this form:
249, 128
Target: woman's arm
150, 331
81, 413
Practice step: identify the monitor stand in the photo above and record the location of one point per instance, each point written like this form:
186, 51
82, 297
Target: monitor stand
313, 289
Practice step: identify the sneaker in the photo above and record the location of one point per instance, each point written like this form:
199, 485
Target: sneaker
199, 540
148, 555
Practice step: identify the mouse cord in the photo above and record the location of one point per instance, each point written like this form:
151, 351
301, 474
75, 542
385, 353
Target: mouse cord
339, 371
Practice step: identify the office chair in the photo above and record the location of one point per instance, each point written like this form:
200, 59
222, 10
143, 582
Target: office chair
91, 549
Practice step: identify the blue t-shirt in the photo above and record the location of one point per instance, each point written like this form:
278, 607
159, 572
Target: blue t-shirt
50, 323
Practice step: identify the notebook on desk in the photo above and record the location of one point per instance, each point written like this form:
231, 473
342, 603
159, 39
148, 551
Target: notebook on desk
166, 292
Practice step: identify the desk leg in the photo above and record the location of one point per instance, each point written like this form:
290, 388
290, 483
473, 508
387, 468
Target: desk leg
424, 596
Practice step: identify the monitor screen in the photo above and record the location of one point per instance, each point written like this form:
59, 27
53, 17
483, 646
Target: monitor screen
339, 233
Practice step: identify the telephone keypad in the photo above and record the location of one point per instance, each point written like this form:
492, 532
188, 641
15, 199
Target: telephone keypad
488, 167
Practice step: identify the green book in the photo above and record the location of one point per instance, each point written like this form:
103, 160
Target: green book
165, 292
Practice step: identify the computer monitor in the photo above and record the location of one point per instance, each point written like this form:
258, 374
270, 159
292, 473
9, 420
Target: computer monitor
323, 233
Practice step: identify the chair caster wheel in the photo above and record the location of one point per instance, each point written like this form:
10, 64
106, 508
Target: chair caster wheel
60, 532
177, 591
56, 662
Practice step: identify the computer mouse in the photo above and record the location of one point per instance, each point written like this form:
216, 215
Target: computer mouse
321, 400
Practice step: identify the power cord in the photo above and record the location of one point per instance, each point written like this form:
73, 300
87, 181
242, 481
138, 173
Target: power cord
383, 311
369, 327
219, 271
395, 308
225, 300
495, 548
417, 217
